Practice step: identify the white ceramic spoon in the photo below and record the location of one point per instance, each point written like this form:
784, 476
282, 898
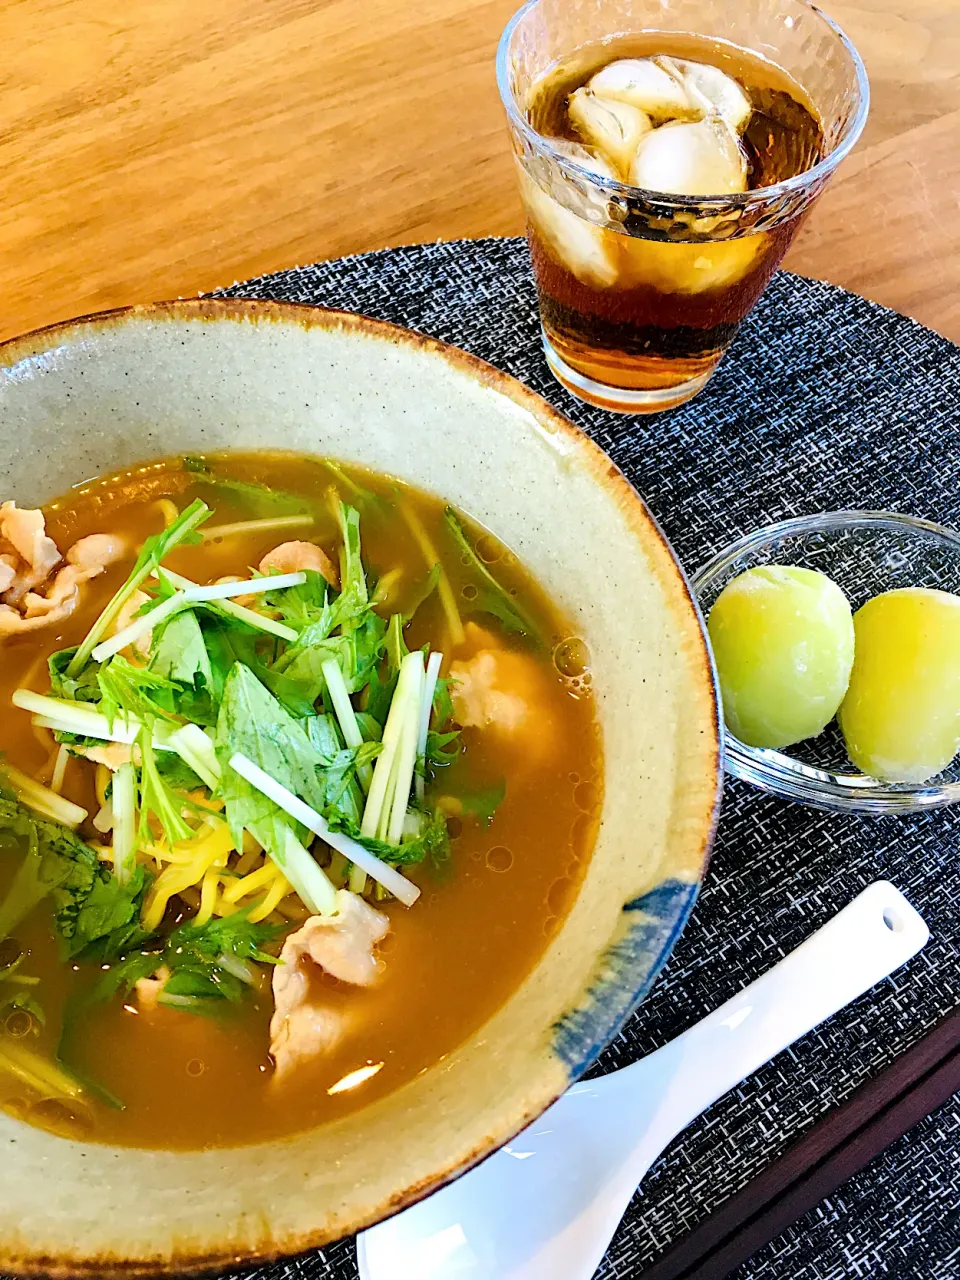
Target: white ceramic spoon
545, 1206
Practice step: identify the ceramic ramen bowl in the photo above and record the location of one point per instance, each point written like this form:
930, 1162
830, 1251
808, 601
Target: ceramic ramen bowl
102, 393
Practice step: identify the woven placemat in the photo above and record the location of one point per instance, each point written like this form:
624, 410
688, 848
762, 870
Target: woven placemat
825, 401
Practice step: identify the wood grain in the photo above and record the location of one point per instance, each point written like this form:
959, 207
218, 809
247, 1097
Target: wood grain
154, 148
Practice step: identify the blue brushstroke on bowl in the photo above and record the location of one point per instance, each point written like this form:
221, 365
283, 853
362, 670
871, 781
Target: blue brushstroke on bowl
627, 971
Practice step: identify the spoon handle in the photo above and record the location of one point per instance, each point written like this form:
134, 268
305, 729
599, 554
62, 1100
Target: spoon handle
547, 1206
863, 944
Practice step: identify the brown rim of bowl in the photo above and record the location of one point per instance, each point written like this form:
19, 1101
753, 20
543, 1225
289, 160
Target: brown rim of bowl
680, 600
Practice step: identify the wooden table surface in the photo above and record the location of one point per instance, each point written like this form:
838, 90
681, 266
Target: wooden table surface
154, 148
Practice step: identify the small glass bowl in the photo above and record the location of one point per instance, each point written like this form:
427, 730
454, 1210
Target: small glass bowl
865, 552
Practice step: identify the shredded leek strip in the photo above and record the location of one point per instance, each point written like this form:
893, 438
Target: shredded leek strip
444, 590
394, 765
103, 821
346, 716
334, 502
386, 810
138, 627
59, 768
39, 1073
75, 717
152, 552
278, 891
239, 968
434, 663
195, 749
399, 885
256, 526
244, 586
383, 768
124, 800
309, 880
338, 869
41, 799
406, 761
357, 879
239, 611
250, 884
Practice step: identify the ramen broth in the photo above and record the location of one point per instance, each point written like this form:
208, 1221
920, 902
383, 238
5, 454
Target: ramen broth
521, 813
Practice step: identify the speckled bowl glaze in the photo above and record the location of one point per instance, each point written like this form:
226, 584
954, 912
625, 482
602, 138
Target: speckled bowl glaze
114, 390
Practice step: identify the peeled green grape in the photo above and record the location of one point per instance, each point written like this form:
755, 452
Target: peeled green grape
783, 642
901, 715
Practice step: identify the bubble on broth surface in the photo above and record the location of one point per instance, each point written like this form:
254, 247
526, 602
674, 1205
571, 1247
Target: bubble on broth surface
558, 895
581, 833
195, 1067
571, 657
17, 1107
469, 591
488, 549
19, 1024
500, 858
57, 1117
585, 796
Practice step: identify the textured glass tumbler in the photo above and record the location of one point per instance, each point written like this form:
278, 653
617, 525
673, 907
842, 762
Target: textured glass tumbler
697, 264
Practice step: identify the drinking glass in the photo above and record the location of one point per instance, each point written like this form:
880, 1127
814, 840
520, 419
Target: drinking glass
641, 292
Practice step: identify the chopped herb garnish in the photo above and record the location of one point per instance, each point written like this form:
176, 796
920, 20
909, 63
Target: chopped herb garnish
182, 531
491, 597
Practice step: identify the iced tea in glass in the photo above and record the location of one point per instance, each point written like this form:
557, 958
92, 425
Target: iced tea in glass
668, 151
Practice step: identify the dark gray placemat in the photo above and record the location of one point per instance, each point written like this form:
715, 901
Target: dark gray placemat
825, 401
